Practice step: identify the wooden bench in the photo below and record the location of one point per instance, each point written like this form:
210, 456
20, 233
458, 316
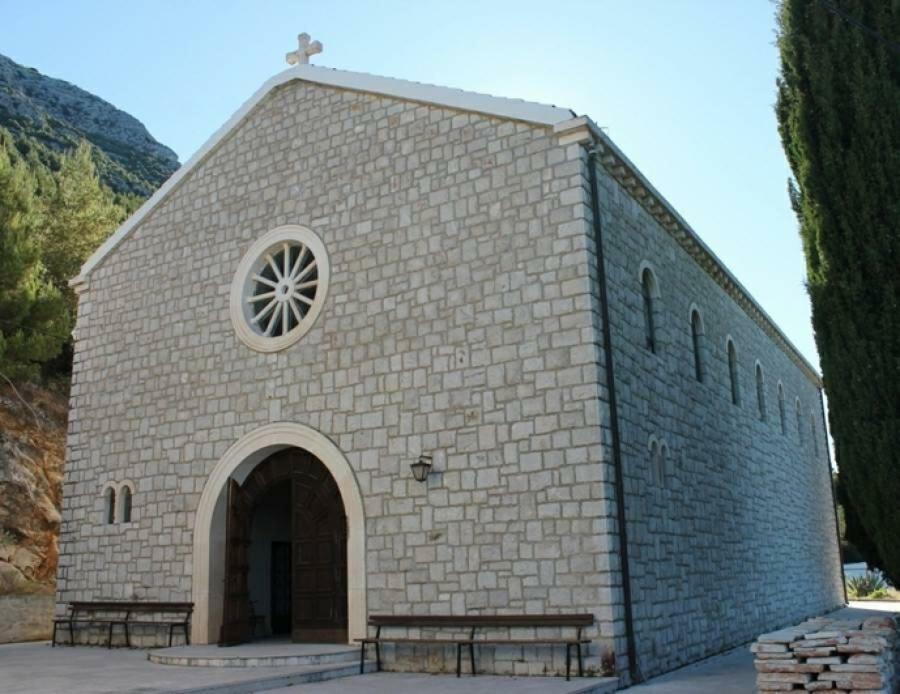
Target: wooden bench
473, 623
112, 613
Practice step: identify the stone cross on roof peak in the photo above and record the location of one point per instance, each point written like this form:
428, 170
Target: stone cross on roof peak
306, 49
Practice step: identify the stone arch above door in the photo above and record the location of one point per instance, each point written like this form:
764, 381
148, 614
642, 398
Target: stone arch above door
238, 461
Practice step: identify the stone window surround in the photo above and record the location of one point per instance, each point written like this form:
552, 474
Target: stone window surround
117, 489
761, 408
734, 376
698, 342
653, 316
287, 233
659, 461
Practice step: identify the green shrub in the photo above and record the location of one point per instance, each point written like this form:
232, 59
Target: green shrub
865, 585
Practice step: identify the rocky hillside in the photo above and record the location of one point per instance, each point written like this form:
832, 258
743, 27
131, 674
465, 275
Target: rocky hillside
57, 115
32, 450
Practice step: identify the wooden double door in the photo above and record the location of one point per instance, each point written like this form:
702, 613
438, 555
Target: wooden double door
318, 550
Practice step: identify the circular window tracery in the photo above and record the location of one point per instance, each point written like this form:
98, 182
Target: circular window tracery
279, 288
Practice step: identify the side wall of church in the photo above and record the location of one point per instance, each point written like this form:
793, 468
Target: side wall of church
457, 323
732, 533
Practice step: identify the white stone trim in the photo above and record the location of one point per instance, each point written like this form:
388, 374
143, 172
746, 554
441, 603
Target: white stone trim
512, 109
238, 306
238, 461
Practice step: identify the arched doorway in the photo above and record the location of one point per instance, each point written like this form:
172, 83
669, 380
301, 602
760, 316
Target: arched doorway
236, 467
285, 553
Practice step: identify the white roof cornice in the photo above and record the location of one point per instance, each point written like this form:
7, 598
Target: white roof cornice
512, 109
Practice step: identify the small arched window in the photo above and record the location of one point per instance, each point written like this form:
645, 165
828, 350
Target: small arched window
733, 372
782, 416
648, 292
697, 341
799, 421
110, 505
126, 504
760, 392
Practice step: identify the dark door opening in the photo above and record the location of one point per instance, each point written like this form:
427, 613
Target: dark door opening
281, 588
286, 520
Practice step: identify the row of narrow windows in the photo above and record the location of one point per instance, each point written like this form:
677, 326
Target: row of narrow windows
117, 513
650, 293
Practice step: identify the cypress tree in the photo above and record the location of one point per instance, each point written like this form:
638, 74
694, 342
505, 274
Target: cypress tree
838, 111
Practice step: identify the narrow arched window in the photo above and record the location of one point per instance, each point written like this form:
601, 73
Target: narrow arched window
697, 341
654, 462
782, 416
799, 421
126, 504
648, 290
733, 373
110, 505
760, 392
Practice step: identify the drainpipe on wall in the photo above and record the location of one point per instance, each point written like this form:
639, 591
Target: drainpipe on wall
837, 524
634, 671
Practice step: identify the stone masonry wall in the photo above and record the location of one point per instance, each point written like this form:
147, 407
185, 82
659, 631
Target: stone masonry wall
737, 536
457, 323
25, 617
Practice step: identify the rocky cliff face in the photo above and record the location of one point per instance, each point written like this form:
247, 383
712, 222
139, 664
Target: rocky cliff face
32, 450
58, 114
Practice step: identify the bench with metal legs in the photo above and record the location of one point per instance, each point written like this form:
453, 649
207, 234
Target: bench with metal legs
475, 622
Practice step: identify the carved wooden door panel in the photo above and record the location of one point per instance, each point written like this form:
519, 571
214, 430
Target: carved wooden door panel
319, 556
237, 625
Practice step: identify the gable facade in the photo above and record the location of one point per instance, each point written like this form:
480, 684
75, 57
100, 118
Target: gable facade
456, 324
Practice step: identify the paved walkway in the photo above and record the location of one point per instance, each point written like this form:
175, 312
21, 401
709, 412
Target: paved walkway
416, 683
33, 668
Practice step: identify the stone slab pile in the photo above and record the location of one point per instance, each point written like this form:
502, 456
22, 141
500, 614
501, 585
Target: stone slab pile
831, 655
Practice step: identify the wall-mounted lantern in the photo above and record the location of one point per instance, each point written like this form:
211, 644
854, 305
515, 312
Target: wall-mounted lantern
421, 468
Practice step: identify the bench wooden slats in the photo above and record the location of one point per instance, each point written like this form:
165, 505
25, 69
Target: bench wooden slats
473, 623
113, 613
481, 620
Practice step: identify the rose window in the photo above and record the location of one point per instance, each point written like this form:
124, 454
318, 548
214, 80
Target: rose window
279, 288
282, 289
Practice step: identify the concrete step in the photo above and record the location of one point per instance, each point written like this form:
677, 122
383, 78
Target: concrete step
256, 654
280, 677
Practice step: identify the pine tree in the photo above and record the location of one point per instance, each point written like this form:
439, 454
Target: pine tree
80, 214
34, 322
839, 117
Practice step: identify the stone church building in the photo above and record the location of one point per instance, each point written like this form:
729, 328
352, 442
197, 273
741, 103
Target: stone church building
358, 273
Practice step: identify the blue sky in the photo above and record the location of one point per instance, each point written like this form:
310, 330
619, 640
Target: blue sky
684, 87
